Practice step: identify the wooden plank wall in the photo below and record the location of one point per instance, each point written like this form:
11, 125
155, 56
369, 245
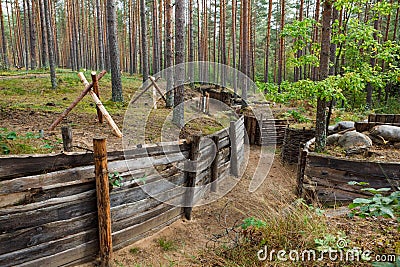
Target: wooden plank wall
48, 215
272, 131
326, 178
292, 141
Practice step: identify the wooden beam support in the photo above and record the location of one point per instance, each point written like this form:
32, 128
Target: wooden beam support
66, 133
141, 93
103, 201
191, 176
103, 110
234, 151
95, 83
80, 97
153, 81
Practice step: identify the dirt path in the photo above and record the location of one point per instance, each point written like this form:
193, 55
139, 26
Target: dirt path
184, 242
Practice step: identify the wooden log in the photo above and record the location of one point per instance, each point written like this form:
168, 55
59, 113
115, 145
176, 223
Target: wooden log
66, 133
103, 201
191, 177
82, 95
300, 169
95, 83
214, 167
103, 110
143, 91
153, 81
234, 155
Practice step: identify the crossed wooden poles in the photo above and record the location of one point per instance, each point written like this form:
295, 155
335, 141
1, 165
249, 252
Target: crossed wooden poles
93, 90
102, 113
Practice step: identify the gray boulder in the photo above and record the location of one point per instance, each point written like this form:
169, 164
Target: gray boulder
344, 125
387, 132
333, 139
353, 139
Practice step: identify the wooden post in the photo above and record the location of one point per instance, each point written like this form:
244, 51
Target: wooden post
95, 83
214, 166
103, 110
66, 133
153, 81
191, 176
103, 201
301, 168
154, 98
82, 95
142, 92
234, 154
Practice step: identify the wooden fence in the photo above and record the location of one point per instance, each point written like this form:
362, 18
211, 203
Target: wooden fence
294, 139
271, 132
325, 178
48, 211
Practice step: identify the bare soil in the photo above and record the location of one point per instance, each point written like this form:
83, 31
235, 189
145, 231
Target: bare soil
381, 153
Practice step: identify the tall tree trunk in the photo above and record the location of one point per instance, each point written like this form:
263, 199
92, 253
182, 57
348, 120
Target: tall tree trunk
114, 52
143, 32
191, 43
297, 70
43, 35
169, 59
234, 45
281, 46
50, 44
244, 55
223, 41
178, 113
268, 42
396, 22
320, 129
314, 69
26, 47
156, 39
32, 33
3, 40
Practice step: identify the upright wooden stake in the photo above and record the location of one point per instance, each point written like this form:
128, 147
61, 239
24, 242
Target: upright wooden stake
214, 166
191, 176
234, 154
66, 133
95, 83
103, 201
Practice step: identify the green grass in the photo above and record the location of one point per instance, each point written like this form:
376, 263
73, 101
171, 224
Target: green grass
166, 245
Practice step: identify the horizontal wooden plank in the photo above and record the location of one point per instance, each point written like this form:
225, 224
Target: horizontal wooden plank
82, 253
224, 142
132, 195
29, 165
60, 212
46, 249
130, 234
39, 234
340, 178
364, 168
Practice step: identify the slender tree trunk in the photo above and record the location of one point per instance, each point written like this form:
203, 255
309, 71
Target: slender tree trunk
50, 44
114, 52
32, 32
223, 41
281, 46
314, 69
234, 45
297, 70
268, 42
320, 130
191, 43
178, 113
43, 35
26, 47
156, 39
143, 32
396, 22
169, 59
3, 40
100, 33
244, 55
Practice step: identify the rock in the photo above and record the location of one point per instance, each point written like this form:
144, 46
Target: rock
333, 139
397, 145
352, 140
387, 132
343, 125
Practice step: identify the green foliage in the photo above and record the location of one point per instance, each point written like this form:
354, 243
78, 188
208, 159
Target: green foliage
253, 223
297, 116
166, 245
115, 179
377, 206
330, 241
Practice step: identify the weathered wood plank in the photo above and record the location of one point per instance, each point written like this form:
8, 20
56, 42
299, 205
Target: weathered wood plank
46, 249
371, 169
81, 253
39, 234
128, 234
60, 212
131, 195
